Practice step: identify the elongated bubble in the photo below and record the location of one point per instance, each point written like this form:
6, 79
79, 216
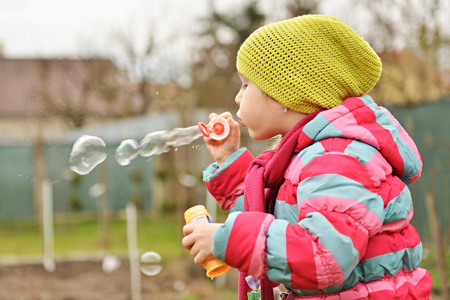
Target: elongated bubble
127, 151
183, 136
87, 152
154, 144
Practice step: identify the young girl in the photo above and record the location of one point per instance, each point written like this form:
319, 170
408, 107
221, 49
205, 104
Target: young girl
327, 212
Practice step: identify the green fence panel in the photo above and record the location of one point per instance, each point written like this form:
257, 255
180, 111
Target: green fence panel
429, 126
71, 192
16, 182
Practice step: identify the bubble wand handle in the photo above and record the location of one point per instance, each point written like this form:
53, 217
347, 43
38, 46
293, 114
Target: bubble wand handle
217, 129
198, 214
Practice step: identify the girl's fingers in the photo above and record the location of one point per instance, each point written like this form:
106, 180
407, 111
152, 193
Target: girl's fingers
224, 115
188, 229
187, 242
194, 252
198, 259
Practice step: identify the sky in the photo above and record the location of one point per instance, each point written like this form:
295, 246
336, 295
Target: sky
30, 28
68, 28
77, 28
49, 28
90, 28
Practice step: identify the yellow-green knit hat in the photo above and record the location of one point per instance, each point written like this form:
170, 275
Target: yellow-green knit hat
310, 62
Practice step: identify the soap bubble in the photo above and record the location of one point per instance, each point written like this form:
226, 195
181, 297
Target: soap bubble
187, 180
87, 152
127, 151
154, 144
183, 136
110, 263
179, 285
97, 190
150, 263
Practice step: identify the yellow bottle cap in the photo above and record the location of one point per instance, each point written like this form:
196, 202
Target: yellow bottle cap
195, 211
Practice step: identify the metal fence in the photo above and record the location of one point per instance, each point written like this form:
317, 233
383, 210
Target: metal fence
71, 192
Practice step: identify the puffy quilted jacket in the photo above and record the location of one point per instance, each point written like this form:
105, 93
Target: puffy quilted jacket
340, 227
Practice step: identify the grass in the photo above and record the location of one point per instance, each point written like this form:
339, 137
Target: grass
155, 233
429, 262
160, 234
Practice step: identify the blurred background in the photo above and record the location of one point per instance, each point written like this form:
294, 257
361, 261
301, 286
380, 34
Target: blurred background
120, 70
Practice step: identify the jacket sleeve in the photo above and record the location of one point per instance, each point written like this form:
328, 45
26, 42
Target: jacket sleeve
226, 184
337, 212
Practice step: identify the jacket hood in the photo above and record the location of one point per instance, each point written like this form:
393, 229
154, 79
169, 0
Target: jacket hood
361, 119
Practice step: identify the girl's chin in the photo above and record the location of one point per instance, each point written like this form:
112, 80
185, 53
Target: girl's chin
255, 136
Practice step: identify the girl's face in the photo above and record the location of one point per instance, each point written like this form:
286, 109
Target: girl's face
262, 115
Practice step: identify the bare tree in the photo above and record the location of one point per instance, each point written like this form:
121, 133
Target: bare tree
411, 36
75, 90
302, 7
138, 67
214, 71
153, 68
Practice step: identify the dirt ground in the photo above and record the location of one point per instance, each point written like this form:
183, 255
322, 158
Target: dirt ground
85, 280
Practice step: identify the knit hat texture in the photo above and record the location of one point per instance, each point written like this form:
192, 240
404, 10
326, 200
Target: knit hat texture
309, 63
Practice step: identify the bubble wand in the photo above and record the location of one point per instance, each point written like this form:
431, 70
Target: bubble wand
217, 128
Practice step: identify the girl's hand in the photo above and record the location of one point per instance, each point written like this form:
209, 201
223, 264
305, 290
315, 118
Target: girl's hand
198, 239
220, 150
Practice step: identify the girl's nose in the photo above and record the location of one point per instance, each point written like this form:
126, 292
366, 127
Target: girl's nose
237, 99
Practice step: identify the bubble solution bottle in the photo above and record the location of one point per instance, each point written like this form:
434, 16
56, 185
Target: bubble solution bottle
198, 214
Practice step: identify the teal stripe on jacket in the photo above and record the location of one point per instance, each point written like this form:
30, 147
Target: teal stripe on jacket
335, 185
286, 211
238, 205
220, 245
340, 246
388, 264
313, 151
399, 207
328, 131
362, 151
279, 270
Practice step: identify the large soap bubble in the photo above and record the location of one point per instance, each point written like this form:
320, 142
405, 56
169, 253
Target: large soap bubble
127, 151
87, 152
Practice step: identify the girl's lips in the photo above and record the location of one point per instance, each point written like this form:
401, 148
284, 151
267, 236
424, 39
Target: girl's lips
241, 123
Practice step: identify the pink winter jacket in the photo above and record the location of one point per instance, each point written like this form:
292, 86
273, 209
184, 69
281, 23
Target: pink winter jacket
340, 226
